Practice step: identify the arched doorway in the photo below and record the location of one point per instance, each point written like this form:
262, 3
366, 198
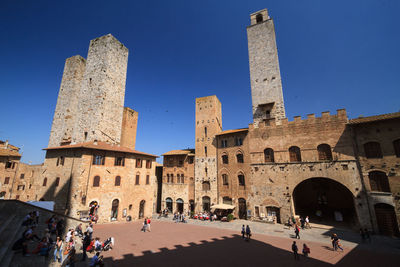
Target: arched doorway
274, 212
114, 210
386, 219
206, 204
191, 205
242, 208
141, 209
93, 210
168, 203
324, 201
179, 205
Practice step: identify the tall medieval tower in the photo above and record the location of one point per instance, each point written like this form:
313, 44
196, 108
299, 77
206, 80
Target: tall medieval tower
208, 124
266, 85
90, 103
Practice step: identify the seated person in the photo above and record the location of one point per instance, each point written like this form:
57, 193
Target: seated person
97, 260
97, 244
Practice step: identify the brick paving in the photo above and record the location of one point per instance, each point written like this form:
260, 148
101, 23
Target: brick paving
219, 244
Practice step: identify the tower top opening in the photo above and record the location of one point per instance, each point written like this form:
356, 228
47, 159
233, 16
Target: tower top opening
259, 16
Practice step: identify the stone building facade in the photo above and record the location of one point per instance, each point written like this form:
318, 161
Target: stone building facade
317, 166
178, 180
91, 156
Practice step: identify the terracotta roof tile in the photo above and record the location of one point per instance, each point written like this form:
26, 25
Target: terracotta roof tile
233, 131
375, 118
179, 152
101, 146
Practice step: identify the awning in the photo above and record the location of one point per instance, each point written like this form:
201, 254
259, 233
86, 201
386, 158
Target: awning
222, 207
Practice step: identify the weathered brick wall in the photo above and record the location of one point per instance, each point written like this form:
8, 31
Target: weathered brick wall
65, 115
265, 77
383, 132
129, 128
208, 114
233, 190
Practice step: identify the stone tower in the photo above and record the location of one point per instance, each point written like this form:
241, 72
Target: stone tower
102, 93
266, 85
208, 124
65, 114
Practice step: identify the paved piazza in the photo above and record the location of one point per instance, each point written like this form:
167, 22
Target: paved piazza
217, 243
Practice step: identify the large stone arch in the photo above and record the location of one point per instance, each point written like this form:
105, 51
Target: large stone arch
325, 200
354, 189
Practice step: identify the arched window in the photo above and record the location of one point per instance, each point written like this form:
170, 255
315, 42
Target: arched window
182, 179
117, 181
168, 179
225, 179
294, 154
373, 150
239, 158
206, 186
324, 152
96, 181
396, 145
57, 182
379, 181
225, 159
172, 178
45, 181
168, 203
269, 155
241, 179
259, 18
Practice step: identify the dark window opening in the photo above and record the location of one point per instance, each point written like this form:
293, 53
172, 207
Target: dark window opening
98, 159
117, 181
10, 165
379, 181
239, 158
373, 150
205, 151
396, 145
119, 161
57, 182
60, 161
137, 179
238, 141
205, 131
148, 164
269, 155
324, 152
259, 18
206, 186
147, 179
294, 153
7, 180
225, 159
138, 163
22, 176
96, 181
241, 179
225, 179
190, 160
44, 181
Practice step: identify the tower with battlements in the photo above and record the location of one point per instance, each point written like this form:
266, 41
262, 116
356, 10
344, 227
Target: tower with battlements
266, 84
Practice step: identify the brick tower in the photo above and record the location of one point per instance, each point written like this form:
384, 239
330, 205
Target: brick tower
101, 102
266, 85
208, 124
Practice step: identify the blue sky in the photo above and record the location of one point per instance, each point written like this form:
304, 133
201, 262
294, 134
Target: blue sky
333, 54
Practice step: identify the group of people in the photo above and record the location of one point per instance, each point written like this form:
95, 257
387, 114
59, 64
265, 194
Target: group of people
179, 217
205, 216
306, 250
61, 248
246, 232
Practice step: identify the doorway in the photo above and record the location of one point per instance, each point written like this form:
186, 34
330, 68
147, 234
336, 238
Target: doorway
114, 210
179, 205
242, 209
141, 209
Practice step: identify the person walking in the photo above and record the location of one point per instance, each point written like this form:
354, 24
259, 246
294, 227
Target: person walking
85, 244
58, 249
243, 231
362, 234
338, 245
306, 250
248, 233
148, 225
297, 231
308, 222
295, 250
144, 229
334, 239
367, 235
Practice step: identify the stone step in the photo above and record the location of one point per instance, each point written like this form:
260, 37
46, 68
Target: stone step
7, 239
6, 222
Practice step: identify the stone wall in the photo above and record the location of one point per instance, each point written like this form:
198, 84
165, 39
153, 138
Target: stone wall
65, 115
265, 77
102, 93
